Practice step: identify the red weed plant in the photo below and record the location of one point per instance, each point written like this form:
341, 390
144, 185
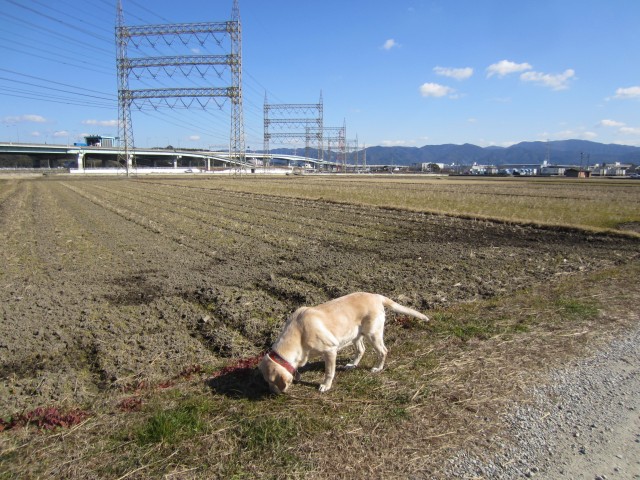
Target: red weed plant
46, 418
242, 367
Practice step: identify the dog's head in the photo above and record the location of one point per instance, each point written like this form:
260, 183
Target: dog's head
278, 378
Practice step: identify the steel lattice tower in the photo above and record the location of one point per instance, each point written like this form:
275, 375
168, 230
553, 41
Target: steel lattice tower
342, 146
292, 123
125, 129
183, 66
237, 118
331, 136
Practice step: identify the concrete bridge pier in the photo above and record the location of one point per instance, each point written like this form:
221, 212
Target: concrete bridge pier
81, 161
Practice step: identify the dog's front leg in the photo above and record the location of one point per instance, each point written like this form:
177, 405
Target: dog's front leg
329, 369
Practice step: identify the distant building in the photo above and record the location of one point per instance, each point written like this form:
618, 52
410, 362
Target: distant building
483, 169
576, 173
431, 167
520, 169
616, 169
555, 169
99, 141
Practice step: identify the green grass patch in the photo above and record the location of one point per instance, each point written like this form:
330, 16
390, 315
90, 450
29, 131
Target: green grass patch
359, 382
173, 425
573, 308
266, 433
466, 324
264, 438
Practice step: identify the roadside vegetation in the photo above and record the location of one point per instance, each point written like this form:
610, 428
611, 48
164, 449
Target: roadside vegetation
443, 389
445, 384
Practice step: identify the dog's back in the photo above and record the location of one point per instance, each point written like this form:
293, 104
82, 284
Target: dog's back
368, 304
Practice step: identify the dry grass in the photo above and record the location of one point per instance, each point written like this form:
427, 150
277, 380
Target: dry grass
600, 204
443, 389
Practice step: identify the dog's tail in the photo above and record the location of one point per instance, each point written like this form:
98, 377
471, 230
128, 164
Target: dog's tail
396, 307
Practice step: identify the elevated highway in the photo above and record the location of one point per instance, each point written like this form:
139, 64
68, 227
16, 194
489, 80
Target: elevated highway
80, 157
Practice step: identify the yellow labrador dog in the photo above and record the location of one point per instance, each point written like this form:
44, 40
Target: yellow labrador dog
325, 329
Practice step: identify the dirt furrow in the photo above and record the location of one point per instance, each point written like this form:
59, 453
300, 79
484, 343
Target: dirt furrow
314, 212
289, 217
105, 283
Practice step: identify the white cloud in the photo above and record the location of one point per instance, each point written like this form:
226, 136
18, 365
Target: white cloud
393, 143
389, 44
101, 123
436, 90
505, 67
490, 143
570, 134
194, 138
559, 81
35, 134
630, 130
610, 123
457, 73
629, 92
24, 118
61, 133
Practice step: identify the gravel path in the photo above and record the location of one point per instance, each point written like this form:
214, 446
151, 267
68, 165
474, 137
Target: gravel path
583, 424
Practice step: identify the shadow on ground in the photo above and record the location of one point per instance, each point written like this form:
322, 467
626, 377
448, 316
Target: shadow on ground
248, 382
241, 383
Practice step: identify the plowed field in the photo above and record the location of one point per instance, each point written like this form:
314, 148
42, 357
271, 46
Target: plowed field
109, 282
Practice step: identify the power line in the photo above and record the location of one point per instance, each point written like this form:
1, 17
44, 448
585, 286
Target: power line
55, 89
12, 42
183, 125
73, 27
64, 59
71, 64
51, 99
51, 26
67, 15
40, 28
142, 7
53, 81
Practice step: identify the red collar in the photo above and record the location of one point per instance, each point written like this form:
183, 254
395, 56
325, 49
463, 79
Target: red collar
275, 356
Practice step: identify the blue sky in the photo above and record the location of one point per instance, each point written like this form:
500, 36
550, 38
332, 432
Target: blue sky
404, 72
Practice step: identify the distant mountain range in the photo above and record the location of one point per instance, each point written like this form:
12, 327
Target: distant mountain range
563, 152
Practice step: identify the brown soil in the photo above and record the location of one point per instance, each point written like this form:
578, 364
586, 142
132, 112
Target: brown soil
106, 283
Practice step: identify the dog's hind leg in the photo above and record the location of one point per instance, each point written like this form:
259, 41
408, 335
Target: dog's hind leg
359, 344
378, 345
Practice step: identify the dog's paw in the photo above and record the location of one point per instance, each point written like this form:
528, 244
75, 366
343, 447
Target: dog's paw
323, 388
349, 366
376, 370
